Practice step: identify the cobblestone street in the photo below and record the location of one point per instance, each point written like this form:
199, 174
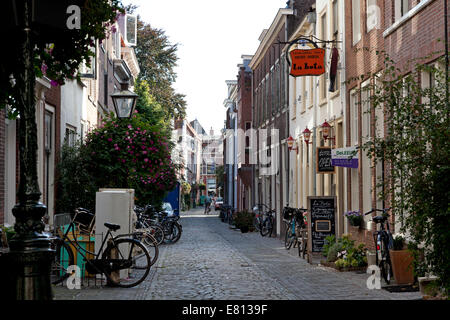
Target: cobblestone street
213, 262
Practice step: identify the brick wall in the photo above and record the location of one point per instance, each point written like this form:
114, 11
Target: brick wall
418, 36
361, 59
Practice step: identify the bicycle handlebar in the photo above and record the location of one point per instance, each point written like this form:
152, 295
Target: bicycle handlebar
379, 210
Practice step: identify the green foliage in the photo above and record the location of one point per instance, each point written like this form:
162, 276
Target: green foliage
329, 241
344, 253
157, 59
415, 150
126, 153
150, 109
61, 59
244, 219
131, 153
398, 242
76, 186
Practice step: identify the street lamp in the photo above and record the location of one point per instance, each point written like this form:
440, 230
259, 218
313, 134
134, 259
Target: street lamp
307, 135
291, 143
124, 102
326, 128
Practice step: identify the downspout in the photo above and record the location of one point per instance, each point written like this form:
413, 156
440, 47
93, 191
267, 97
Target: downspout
314, 127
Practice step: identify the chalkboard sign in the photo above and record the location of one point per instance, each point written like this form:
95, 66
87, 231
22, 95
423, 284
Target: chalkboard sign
323, 160
321, 221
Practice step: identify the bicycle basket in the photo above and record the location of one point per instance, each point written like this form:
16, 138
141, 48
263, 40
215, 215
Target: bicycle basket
84, 220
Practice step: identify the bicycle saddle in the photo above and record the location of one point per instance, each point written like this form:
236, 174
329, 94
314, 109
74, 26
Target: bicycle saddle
379, 219
112, 226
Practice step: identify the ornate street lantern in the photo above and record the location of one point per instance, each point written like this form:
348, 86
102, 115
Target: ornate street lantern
326, 128
291, 142
307, 135
124, 102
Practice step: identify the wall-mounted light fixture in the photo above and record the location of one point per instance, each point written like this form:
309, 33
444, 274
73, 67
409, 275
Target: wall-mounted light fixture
291, 143
307, 136
326, 129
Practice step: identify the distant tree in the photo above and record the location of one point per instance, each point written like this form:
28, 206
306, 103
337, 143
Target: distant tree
157, 59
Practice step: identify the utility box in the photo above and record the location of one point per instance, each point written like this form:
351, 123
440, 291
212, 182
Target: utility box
113, 206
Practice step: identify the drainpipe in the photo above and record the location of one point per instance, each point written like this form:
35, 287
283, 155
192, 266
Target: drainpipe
314, 129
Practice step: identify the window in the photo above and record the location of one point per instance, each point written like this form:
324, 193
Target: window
304, 94
356, 22
372, 15
71, 136
116, 44
401, 8
354, 117
366, 112
89, 72
131, 30
335, 17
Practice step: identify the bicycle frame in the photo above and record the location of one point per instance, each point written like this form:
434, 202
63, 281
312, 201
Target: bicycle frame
84, 252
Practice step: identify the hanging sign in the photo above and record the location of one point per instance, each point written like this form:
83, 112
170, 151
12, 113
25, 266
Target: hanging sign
345, 157
323, 160
307, 62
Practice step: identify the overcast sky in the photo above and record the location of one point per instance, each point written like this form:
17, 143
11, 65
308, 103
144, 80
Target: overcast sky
212, 35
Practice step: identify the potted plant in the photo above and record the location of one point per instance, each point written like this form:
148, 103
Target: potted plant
354, 218
244, 220
402, 261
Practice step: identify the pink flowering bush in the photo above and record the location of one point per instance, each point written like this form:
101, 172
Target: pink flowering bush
131, 154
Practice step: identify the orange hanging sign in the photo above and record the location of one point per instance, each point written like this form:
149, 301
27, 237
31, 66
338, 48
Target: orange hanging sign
309, 62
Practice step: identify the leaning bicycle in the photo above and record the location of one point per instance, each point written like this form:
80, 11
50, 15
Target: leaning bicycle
123, 259
383, 242
268, 224
259, 210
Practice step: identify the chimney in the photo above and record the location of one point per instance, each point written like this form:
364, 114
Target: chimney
211, 132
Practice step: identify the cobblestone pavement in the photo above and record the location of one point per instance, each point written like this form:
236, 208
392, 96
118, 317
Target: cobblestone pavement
213, 262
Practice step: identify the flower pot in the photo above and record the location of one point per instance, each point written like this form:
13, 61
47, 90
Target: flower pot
402, 266
244, 229
355, 222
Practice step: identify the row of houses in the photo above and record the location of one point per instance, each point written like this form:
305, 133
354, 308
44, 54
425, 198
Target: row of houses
307, 113
198, 154
65, 114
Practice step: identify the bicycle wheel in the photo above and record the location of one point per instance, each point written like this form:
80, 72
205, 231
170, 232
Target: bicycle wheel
173, 233
152, 246
63, 259
126, 262
158, 233
385, 263
265, 227
303, 245
257, 224
288, 237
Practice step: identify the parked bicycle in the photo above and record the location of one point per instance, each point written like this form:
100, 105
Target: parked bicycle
123, 259
268, 223
383, 242
143, 224
295, 233
172, 229
259, 211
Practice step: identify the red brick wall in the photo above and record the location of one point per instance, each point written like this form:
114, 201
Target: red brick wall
418, 36
361, 59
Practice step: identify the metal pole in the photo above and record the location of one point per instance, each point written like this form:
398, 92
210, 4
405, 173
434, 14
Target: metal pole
30, 249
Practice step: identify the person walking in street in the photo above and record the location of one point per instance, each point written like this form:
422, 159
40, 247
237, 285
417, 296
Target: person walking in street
207, 204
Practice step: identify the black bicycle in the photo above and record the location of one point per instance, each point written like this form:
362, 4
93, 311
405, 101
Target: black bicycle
268, 223
125, 261
259, 210
383, 242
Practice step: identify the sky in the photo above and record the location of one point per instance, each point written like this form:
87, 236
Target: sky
212, 35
